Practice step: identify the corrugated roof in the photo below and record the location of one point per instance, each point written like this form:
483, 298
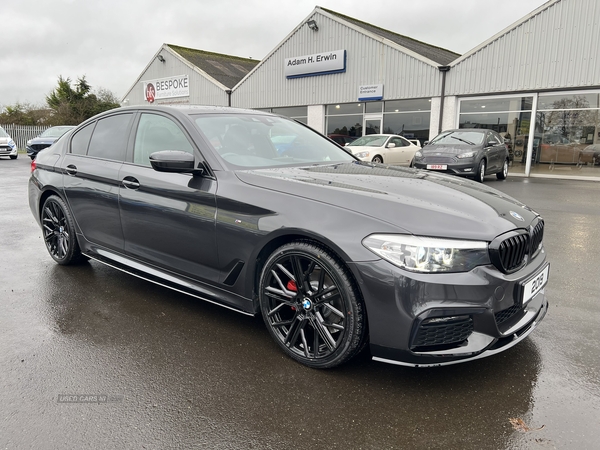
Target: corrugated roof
437, 54
226, 69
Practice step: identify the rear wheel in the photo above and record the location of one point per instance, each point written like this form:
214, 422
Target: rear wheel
378, 159
59, 232
480, 171
311, 306
504, 172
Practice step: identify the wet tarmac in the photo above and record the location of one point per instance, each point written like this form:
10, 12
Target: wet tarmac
91, 357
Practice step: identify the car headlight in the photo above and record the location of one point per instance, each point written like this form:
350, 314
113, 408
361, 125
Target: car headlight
418, 154
428, 255
362, 154
466, 155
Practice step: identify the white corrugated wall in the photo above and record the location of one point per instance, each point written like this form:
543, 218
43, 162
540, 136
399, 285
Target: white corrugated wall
555, 48
369, 61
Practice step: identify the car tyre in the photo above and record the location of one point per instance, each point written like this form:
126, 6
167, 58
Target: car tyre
377, 159
311, 305
59, 232
13, 156
480, 171
504, 172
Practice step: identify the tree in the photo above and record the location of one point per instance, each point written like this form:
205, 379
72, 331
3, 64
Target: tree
73, 105
25, 114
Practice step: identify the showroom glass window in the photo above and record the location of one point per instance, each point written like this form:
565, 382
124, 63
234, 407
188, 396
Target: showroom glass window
508, 116
299, 113
155, 133
109, 139
345, 119
567, 134
408, 118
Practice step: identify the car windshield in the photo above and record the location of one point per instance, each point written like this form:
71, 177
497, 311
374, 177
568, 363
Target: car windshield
245, 140
3, 133
369, 141
55, 132
459, 137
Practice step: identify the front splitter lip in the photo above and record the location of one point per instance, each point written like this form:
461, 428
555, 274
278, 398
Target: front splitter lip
511, 341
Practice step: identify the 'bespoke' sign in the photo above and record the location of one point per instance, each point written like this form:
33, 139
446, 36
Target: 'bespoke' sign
171, 87
318, 64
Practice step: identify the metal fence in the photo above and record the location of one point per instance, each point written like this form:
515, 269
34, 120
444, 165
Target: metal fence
22, 133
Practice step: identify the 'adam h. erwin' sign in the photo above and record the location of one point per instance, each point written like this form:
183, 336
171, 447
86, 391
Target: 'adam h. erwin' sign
317, 64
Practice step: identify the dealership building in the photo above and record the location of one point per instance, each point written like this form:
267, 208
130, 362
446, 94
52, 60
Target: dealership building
536, 82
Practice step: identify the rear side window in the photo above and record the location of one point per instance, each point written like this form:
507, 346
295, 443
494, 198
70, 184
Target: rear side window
81, 140
109, 140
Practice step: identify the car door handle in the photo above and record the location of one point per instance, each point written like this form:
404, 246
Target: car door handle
71, 169
131, 183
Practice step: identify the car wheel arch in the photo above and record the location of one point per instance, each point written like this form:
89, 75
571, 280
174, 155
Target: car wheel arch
258, 258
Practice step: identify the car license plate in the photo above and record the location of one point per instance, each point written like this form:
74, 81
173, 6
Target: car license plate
535, 284
437, 166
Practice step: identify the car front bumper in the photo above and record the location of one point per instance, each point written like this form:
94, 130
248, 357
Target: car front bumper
8, 151
467, 169
425, 320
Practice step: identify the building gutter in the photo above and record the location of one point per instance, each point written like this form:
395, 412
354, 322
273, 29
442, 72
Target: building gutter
444, 70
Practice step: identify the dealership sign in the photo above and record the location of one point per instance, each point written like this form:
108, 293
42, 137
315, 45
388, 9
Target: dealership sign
171, 87
370, 92
317, 64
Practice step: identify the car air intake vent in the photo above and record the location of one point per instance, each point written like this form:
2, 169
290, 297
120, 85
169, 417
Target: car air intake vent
441, 333
508, 252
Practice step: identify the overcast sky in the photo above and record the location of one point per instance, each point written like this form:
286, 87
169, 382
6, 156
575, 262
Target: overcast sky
112, 41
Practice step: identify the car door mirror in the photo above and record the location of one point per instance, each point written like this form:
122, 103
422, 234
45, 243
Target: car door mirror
391, 145
492, 144
173, 161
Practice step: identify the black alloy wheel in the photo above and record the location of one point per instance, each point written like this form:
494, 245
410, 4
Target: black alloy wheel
504, 172
378, 159
481, 171
59, 232
310, 305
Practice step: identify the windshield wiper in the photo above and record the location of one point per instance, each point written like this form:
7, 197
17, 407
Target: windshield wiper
464, 140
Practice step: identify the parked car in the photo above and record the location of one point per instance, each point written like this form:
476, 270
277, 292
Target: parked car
591, 154
46, 139
7, 145
342, 139
383, 148
333, 252
472, 153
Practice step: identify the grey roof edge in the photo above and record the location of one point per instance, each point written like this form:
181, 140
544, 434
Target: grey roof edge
505, 31
368, 27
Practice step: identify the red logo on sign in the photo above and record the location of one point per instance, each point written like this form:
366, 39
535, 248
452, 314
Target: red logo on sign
150, 93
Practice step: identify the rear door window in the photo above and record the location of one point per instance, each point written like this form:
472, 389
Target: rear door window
109, 140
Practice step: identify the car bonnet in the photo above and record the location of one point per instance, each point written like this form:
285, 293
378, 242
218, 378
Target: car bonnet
414, 201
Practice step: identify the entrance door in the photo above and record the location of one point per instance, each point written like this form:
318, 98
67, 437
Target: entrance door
372, 124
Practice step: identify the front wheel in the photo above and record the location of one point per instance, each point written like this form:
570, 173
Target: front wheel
504, 172
480, 171
311, 306
377, 159
59, 232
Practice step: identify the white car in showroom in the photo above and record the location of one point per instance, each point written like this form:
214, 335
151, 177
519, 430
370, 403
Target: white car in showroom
7, 145
384, 148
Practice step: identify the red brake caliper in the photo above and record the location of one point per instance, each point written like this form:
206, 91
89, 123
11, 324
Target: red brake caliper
291, 286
